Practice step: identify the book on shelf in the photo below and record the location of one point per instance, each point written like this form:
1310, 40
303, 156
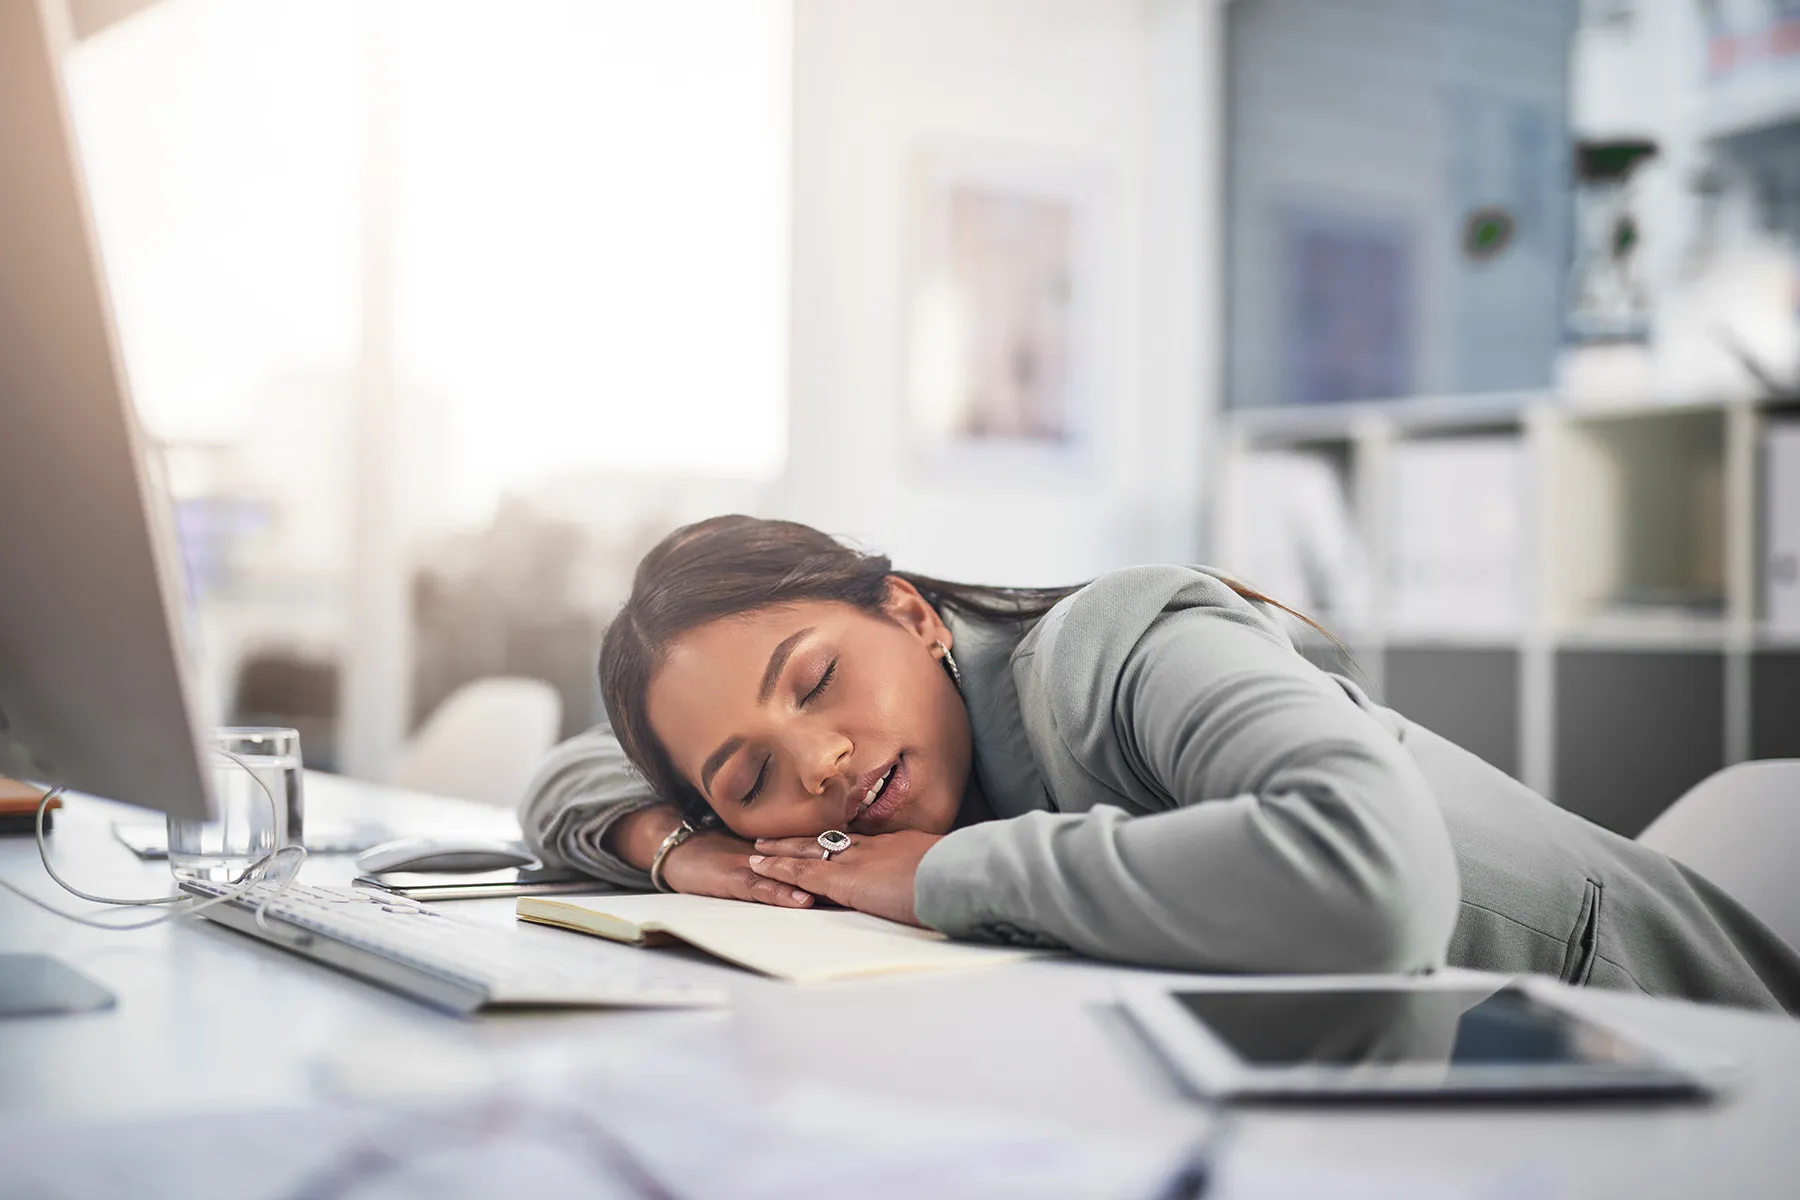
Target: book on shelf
802, 945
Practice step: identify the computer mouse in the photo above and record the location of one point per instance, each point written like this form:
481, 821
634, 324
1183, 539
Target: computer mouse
445, 854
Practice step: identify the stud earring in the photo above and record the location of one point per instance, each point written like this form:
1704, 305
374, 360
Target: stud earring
949, 661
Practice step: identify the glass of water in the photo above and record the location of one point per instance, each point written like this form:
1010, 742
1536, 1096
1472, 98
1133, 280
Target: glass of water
257, 783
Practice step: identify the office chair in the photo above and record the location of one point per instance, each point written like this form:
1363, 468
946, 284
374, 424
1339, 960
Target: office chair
1739, 827
483, 742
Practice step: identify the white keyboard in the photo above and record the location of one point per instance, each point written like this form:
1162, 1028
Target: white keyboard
443, 959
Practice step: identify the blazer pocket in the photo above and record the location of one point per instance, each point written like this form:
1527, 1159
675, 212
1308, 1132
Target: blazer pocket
1579, 955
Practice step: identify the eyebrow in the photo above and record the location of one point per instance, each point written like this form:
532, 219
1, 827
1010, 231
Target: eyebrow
730, 747
771, 676
777, 660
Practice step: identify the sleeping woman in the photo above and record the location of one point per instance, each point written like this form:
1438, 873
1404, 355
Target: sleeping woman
1141, 769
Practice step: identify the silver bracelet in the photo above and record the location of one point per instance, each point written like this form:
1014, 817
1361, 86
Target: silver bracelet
678, 835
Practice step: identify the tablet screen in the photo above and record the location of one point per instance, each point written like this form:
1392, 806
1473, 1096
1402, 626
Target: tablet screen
1441, 1026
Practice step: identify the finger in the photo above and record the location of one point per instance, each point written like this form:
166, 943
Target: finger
773, 891
819, 878
794, 847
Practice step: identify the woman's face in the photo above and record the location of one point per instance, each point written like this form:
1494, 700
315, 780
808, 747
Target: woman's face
817, 715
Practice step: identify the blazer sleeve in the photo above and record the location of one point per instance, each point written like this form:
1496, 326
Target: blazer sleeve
583, 787
1288, 830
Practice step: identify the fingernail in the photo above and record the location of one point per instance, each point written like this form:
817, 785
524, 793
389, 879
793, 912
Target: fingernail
755, 858
801, 896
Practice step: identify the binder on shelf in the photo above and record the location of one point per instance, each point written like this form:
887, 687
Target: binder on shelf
1781, 528
1458, 535
1293, 536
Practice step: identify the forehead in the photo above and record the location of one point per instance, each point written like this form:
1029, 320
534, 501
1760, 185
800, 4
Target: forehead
708, 678
743, 641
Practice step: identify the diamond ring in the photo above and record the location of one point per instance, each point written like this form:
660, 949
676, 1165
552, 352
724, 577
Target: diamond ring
833, 841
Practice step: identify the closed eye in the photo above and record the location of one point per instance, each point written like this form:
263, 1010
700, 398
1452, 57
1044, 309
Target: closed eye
824, 682
817, 690
757, 787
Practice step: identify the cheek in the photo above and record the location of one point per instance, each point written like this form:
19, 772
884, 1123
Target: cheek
899, 689
939, 729
777, 819
890, 706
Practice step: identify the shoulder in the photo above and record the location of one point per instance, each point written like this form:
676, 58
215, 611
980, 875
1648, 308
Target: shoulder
1069, 668
1094, 631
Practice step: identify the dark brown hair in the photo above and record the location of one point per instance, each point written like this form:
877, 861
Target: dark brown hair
731, 565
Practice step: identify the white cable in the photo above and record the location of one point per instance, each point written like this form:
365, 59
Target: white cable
43, 850
257, 872
253, 876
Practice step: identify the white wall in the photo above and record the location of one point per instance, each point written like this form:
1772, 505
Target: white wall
1129, 86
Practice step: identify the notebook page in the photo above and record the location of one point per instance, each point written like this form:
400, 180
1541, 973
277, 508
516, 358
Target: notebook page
800, 944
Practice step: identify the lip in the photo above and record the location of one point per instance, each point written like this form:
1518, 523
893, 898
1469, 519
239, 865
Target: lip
853, 799
892, 799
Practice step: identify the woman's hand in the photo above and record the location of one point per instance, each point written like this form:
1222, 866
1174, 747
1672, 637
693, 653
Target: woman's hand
875, 875
718, 864
707, 864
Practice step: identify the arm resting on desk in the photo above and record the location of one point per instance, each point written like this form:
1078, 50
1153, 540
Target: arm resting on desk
1294, 832
581, 792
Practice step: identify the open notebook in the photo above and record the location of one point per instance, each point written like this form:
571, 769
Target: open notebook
804, 945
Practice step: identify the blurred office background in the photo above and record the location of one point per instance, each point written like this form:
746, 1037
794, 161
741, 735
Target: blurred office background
1471, 326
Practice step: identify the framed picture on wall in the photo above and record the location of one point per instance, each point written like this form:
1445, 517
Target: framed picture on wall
1349, 320
1000, 301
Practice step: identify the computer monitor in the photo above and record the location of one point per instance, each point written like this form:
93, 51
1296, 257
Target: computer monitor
94, 694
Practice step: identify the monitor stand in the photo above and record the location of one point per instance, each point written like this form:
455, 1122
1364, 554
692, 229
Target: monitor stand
36, 985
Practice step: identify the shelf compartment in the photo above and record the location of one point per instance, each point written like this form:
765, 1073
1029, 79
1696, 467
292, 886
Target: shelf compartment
1456, 539
1637, 525
1290, 525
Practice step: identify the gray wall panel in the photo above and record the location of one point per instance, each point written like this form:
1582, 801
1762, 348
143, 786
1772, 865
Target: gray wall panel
1403, 115
1634, 730
1470, 696
1775, 704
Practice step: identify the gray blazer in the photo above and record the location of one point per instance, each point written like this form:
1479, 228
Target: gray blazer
1175, 786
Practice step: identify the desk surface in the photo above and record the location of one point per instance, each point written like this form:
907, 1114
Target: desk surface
208, 1019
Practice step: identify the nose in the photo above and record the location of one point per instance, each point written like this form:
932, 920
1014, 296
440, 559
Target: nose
824, 756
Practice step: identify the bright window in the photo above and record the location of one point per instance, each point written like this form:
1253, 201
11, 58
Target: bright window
588, 199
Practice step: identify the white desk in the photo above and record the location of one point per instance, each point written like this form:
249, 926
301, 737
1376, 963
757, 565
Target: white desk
208, 1019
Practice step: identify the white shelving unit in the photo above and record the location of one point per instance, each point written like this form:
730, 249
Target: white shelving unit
1750, 100
1639, 601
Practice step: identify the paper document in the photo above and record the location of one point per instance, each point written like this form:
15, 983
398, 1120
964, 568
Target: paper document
664, 1131
803, 945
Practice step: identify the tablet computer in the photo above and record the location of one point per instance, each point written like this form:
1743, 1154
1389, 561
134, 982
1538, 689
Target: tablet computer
1402, 1037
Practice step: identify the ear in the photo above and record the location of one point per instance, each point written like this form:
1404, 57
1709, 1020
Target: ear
912, 612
